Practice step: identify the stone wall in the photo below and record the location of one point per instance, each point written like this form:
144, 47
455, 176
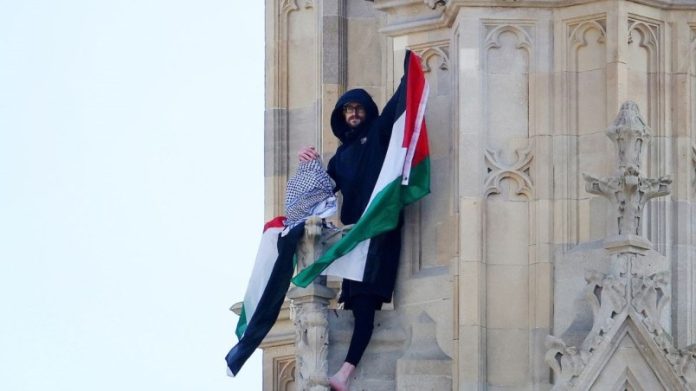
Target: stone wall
522, 92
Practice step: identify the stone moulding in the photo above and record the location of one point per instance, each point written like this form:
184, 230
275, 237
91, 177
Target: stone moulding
576, 33
693, 161
284, 368
648, 31
401, 13
287, 6
524, 38
433, 50
524, 32
444, 15
692, 68
434, 3
662, 4
498, 169
692, 48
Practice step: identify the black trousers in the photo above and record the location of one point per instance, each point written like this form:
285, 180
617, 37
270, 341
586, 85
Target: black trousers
363, 307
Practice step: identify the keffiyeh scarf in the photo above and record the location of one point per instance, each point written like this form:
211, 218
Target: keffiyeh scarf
309, 193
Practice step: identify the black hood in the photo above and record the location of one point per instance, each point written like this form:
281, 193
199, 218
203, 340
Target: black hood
338, 123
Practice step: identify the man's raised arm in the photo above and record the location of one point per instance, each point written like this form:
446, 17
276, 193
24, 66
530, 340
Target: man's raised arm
391, 109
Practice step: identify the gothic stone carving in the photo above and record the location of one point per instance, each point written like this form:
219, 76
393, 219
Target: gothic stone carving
644, 38
585, 44
524, 39
433, 50
284, 373
518, 171
610, 295
504, 44
312, 343
629, 299
434, 3
308, 249
629, 191
309, 310
288, 6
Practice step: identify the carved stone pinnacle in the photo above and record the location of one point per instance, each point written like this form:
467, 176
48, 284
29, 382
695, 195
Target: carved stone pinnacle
629, 190
630, 134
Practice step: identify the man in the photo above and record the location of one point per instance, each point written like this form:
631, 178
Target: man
364, 137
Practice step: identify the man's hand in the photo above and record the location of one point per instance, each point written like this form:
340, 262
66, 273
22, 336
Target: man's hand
308, 153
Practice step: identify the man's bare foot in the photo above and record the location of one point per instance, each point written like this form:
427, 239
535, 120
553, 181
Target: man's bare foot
341, 380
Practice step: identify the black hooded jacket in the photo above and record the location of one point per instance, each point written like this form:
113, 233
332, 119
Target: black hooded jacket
355, 168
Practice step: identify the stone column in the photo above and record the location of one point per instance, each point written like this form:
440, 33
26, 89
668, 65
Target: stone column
309, 310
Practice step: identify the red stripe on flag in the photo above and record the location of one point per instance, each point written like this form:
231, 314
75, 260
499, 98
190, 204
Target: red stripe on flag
415, 82
422, 151
278, 222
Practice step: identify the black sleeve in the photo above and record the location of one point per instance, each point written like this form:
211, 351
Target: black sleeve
394, 106
385, 121
331, 170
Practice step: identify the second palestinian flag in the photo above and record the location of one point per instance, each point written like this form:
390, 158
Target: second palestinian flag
269, 282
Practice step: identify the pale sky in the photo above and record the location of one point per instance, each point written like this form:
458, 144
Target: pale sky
131, 191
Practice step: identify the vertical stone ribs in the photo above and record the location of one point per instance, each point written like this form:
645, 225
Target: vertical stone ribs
693, 160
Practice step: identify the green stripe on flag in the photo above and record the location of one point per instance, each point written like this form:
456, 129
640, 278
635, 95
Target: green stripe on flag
381, 216
241, 324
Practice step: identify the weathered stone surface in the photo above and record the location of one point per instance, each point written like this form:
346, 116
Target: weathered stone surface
424, 366
378, 365
498, 254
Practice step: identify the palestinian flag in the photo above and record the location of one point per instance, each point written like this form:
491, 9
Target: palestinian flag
269, 282
404, 178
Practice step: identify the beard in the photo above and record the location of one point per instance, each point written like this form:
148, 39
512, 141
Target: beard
354, 122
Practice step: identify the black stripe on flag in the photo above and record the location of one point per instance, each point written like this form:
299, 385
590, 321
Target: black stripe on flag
401, 90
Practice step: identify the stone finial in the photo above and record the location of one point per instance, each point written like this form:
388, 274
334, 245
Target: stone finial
629, 190
630, 134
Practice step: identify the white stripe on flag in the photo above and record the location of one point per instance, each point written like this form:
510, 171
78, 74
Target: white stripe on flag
394, 159
352, 264
263, 266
